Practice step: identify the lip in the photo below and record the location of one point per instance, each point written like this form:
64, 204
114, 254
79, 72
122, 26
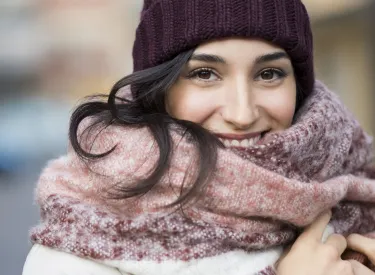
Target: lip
239, 137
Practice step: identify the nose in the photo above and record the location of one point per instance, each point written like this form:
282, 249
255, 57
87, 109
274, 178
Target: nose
240, 108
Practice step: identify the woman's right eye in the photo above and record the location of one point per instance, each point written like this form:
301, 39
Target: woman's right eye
203, 74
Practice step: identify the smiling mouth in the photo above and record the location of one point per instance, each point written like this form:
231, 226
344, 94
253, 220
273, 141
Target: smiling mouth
244, 141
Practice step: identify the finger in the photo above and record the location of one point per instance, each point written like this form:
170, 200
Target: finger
338, 242
343, 268
316, 229
362, 244
360, 269
285, 253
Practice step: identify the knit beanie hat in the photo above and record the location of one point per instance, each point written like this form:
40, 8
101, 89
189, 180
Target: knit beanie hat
169, 27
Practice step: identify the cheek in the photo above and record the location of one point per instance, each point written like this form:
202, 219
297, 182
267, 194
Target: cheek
281, 107
190, 104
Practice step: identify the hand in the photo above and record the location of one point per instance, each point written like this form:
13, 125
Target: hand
310, 256
367, 247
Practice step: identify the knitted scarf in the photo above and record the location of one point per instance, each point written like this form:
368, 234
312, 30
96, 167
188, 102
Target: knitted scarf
258, 198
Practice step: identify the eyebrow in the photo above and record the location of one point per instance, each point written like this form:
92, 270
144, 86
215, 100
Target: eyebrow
208, 58
271, 57
211, 58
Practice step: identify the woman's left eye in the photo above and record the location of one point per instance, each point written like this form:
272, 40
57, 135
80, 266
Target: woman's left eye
270, 75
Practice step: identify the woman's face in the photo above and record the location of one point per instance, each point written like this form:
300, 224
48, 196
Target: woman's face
239, 89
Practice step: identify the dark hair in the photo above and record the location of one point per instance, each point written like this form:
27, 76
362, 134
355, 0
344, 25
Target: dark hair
147, 108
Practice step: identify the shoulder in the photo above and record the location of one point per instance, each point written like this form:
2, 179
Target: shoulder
46, 261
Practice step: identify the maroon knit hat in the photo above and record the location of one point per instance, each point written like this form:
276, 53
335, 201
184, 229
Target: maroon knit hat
169, 27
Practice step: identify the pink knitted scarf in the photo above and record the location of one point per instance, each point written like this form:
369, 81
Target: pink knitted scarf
258, 198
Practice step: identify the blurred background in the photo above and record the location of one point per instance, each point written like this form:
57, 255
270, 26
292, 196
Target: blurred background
54, 52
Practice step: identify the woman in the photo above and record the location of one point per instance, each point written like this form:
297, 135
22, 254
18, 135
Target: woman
211, 157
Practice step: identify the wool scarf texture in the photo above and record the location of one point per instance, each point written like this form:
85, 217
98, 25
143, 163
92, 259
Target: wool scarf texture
258, 198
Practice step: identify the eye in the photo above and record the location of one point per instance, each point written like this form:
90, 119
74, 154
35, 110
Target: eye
270, 75
203, 74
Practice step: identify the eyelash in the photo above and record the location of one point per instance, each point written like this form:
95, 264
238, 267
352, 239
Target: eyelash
280, 74
194, 73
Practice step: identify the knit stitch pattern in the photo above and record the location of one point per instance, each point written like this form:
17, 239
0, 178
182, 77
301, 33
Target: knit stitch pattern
257, 199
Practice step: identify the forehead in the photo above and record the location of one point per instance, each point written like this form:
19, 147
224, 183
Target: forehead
238, 48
